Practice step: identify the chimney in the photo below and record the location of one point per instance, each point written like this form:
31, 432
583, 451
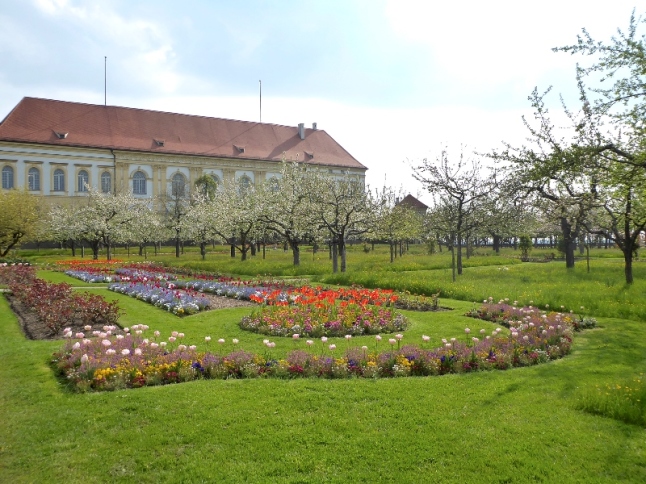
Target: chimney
301, 130
314, 126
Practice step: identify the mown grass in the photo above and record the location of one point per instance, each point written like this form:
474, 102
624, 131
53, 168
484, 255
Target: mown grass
521, 425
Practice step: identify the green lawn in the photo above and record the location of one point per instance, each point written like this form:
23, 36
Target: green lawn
515, 426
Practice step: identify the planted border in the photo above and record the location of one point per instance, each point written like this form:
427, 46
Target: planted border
111, 362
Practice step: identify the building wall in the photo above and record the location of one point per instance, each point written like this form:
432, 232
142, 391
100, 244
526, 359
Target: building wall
159, 169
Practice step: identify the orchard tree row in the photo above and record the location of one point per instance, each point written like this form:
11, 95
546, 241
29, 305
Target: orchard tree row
301, 206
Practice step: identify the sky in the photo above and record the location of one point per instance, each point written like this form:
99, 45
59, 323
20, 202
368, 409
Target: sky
392, 81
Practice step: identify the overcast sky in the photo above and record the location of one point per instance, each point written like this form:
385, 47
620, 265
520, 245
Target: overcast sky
391, 81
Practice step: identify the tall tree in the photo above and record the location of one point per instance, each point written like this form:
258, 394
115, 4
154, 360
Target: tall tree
237, 207
395, 222
461, 186
287, 209
342, 207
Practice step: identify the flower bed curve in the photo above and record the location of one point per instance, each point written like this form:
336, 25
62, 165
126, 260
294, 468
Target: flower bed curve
109, 362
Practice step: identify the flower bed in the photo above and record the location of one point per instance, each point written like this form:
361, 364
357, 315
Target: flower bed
108, 362
56, 305
318, 312
179, 302
324, 320
124, 274
511, 316
227, 289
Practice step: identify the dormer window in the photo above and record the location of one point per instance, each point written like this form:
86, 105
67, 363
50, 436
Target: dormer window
239, 149
309, 154
159, 142
61, 134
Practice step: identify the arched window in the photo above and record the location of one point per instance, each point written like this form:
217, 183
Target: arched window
273, 184
216, 179
244, 182
139, 183
106, 182
83, 181
7, 177
178, 188
59, 180
33, 179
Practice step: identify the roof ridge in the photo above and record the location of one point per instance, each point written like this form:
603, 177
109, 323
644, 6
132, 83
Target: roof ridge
162, 112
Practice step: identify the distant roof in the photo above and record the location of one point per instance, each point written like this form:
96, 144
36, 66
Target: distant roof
63, 123
412, 202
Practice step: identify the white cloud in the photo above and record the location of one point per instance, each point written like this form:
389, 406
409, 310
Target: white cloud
501, 41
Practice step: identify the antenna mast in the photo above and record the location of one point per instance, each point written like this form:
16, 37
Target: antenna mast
105, 80
260, 82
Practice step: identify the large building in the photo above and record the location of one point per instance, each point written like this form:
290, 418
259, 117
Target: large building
56, 149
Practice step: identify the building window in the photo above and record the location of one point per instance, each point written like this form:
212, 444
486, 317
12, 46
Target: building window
59, 180
33, 179
83, 181
274, 184
216, 179
244, 182
106, 182
139, 183
178, 188
7, 177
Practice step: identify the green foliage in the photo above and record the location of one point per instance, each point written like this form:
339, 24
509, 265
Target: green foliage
525, 245
19, 218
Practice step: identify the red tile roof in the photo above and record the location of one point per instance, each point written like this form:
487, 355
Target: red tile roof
36, 120
414, 203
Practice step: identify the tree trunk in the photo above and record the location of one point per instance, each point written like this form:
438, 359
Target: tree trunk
203, 250
392, 252
496, 244
296, 252
628, 262
342, 253
95, 250
453, 261
335, 257
569, 242
459, 256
